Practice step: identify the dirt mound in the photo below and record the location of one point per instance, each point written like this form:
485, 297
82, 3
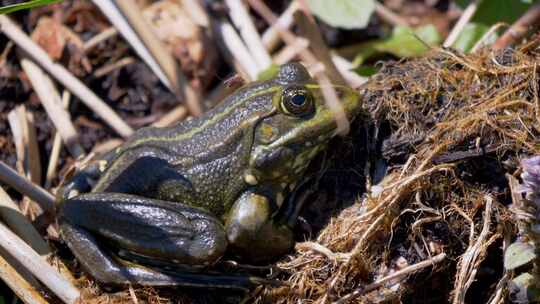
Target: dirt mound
435, 227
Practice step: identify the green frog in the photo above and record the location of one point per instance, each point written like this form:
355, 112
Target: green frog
171, 201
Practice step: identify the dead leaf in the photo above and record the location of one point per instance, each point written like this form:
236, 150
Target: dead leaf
53, 36
60, 43
185, 39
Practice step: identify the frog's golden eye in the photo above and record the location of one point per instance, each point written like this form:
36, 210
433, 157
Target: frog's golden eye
297, 101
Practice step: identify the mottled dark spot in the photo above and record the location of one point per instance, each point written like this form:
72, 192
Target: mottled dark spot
293, 72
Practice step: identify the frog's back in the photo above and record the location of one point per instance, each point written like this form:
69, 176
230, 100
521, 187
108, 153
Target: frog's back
211, 131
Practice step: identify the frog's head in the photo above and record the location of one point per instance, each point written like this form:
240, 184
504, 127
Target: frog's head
299, 126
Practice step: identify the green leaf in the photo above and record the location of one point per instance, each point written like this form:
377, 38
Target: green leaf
470, 35
268, 73
25, 5
348, 14
490, 12
366, 70
404, 42
518, 254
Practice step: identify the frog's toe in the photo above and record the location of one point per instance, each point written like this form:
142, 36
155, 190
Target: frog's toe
81, 182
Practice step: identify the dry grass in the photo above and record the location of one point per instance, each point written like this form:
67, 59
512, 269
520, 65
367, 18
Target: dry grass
463, 110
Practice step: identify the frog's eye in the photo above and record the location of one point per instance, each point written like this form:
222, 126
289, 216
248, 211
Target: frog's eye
297, 101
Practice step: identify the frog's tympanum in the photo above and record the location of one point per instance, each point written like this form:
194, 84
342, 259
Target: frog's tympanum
173, 200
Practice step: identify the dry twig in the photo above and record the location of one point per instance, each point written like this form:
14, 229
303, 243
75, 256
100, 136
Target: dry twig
318, 248
525, 24
473, 256
197, 13
12, 216
175, 115
37, 265
241, 19
241, 56
44, 199
97, 39
64, 76
139, 34
271, 37
24, 136
498, 296
483, 41
345, 68
50, 99
310, 30
290, 51
122, 25
24, 290
104, 70
57, 146
466, 16
396, 275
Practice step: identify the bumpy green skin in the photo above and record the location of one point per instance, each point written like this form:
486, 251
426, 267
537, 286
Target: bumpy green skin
184, 195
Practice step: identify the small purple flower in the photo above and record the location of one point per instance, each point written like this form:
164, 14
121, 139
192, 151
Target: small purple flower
531, 177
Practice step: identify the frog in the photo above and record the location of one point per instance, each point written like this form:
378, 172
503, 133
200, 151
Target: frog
170, 202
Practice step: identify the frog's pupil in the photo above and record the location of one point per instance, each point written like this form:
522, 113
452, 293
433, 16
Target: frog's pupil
298, 99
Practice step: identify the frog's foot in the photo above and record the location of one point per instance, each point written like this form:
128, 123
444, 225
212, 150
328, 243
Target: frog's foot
109, 271
251, 231
81, 182
83, 177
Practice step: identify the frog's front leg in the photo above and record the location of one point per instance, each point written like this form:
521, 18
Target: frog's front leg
253, 233
84, 179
